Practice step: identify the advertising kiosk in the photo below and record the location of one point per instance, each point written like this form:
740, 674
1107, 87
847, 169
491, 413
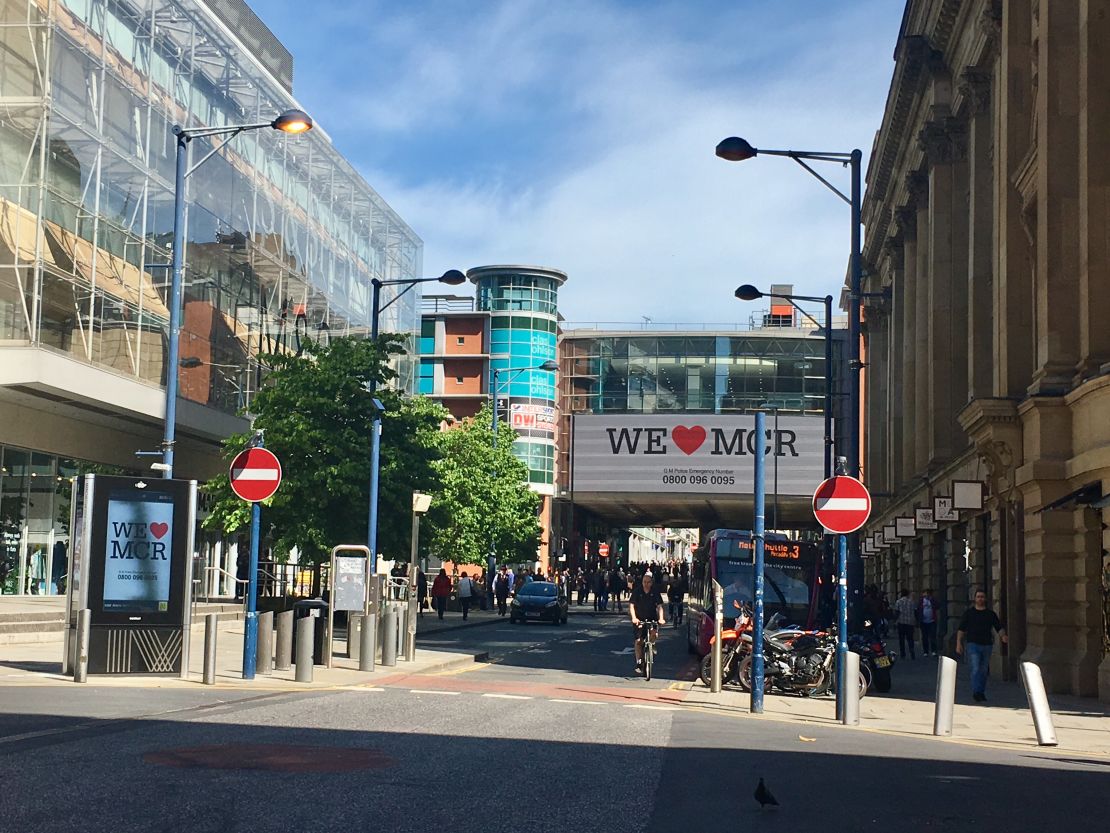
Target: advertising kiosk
132, 568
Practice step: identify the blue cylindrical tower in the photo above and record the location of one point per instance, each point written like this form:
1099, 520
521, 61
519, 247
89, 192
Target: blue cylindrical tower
523, 305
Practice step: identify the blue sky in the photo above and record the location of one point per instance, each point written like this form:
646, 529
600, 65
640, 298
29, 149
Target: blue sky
579, 134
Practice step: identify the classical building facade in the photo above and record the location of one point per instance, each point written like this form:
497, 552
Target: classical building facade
988, 337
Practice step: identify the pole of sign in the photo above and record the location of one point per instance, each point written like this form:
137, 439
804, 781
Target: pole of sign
841, 614
250, 637
757, 563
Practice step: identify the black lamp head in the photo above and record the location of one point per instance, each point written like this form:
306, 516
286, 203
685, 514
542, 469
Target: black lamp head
735, 149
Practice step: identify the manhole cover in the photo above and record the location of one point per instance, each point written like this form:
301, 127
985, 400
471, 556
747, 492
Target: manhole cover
271, 757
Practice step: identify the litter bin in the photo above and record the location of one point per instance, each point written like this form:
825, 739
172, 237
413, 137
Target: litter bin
318, 609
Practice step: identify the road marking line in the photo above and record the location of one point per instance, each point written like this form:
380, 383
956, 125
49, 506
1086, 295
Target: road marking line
581, 702
652, 708
432, 691
509, 696
360, 688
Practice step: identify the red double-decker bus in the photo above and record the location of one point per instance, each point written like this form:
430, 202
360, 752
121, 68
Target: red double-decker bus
789, 581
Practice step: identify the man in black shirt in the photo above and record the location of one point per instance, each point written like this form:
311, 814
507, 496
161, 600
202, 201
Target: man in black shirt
646, 605
974, 635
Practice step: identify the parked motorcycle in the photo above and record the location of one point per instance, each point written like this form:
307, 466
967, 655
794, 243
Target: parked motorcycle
795, 660
733, 649
874, 658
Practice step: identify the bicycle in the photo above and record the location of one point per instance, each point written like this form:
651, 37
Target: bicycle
649, 630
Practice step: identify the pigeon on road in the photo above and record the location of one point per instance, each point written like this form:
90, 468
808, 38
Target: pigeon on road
764, 797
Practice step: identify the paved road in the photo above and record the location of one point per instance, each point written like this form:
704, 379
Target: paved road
556, 735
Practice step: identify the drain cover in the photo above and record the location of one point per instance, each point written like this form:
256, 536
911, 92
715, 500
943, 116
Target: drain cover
271, 758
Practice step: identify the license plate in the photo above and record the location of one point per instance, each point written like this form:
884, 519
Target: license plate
882, 662
533, 613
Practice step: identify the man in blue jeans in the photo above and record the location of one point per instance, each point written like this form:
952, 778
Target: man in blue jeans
975, 636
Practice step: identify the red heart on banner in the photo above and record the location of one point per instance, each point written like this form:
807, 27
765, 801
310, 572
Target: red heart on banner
688, 439
159, 529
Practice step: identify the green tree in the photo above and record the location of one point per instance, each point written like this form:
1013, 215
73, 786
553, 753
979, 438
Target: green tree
317, 414
483, 494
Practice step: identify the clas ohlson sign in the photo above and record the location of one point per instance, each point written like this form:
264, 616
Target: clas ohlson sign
696, 454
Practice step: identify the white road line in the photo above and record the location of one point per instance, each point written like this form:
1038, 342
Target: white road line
508, 696
432, 691
581, 702
652, 708
361, 688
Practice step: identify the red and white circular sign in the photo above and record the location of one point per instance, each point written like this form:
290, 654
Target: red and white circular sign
842, 504
603, 550
255, 474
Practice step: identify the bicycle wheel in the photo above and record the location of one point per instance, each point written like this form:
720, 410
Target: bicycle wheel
649, 658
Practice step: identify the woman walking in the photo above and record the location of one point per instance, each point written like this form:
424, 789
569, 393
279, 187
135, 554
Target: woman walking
441, 591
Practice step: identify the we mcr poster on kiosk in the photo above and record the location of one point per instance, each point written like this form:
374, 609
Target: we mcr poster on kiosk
139, 551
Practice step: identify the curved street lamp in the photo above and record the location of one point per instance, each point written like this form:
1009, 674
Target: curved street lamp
735, 149
452, 277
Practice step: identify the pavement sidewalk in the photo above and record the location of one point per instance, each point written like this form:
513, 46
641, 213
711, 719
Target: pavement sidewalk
1082, 724
39, 664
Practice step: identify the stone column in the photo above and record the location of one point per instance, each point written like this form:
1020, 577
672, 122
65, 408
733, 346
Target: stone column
1057, 190
904, 361
1094, 187
975, 89
944, 143
919, 330
1013, 320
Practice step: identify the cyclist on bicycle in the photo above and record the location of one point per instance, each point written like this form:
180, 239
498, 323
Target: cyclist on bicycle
676, 593
645, 606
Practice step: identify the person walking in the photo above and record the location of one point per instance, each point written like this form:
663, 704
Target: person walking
468, 591
501, 590
617, 586
975, 638
907, 618
422, 590
927, 620
441, 591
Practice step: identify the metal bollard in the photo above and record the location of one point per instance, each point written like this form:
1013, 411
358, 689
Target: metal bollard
367, 636
211, 624
284, 641
851, 689
389, 637
264, 649
81, 666
306, 633
1038, 704
354, 636
946, 697
715, 674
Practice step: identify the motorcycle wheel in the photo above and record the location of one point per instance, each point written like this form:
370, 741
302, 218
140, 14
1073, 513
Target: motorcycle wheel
744, 675
880, 679
705, 669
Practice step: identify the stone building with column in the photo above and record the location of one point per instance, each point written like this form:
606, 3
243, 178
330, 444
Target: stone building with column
987, 330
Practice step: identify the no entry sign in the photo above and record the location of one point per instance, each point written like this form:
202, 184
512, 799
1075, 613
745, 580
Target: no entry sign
255, 474
842, 504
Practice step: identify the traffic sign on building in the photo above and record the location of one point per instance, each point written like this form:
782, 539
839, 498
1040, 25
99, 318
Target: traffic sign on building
603, 550
255, 474
842, 504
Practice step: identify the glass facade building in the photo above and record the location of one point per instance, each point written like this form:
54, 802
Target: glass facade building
283, 238
522, 302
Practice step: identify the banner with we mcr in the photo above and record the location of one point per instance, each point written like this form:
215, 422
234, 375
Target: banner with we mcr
138, 554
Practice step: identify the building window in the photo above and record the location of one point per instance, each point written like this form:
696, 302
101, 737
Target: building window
460, 340
458, 380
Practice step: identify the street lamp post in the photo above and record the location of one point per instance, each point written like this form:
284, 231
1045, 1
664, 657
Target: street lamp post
291, 121
452, 277
747, 292
549, 366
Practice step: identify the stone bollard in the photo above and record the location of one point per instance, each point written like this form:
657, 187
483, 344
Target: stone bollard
306, 634
369, 643
211, 626
284, 641
264, 650
354, 636
946, 697
389, 636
